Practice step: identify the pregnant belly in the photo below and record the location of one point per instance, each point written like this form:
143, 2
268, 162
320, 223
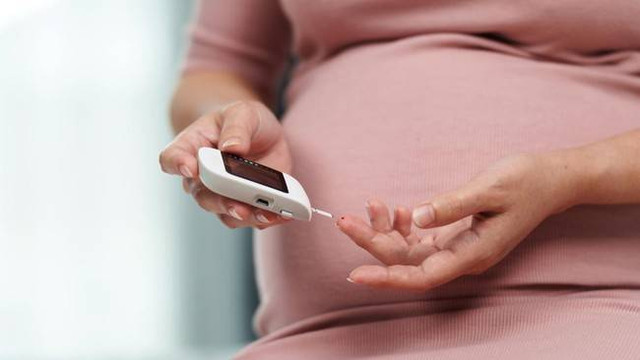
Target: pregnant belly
404, 121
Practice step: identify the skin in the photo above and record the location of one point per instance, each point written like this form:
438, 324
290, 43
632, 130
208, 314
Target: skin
490, 215
219, 109
481, 222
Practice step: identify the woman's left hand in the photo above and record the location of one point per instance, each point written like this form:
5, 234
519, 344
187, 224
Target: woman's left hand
501, 207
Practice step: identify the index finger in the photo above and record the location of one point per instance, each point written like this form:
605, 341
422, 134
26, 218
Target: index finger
468, 251
180, 156
384, 247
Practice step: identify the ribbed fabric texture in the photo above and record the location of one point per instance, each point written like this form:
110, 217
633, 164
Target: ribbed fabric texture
406, 99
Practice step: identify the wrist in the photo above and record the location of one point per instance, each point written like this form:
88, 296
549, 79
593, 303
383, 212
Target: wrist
574, 172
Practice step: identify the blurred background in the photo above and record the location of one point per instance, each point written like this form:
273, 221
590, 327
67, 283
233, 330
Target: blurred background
102, 256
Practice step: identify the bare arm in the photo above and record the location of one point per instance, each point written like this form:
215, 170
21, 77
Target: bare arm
237, 51
220, 109
505, 203
201, 92
606, 172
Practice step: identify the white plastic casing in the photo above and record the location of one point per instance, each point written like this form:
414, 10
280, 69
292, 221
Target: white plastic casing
216, 178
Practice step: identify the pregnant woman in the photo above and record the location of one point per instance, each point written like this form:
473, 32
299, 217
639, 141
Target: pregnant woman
483, 158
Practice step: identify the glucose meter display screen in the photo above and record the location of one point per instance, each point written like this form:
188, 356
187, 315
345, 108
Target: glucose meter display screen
255, 172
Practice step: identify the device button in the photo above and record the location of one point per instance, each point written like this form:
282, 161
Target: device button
286, 213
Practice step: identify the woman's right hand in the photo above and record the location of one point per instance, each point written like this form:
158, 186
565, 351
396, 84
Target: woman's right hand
246, 128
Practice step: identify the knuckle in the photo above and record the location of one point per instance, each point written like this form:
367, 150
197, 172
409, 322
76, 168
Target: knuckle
492, 191
257, 106
455, 206
494, 198
237, 107
498, 187
456, 201
245, 112
514, 167
235, 129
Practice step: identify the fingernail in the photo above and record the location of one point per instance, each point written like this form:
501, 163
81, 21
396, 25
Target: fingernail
423, 215
193, 187
232, 211
368, 207
230, 142
350, 280
186, 185
184, 170
263, 219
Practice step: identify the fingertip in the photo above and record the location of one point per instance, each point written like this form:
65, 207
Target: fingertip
238, 126
374, 203
367, 206
186, 185
340, 221
398, 211
228, 221
234, 213
379, 215
194, 187
268, 217
357, 230
185, 171
354, 276
344, 222
234, 146
403, 209
404, 213
230, 143
237, 210
369, 274
179, 158
423, 215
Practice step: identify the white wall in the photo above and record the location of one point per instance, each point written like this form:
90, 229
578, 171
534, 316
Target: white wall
96, 245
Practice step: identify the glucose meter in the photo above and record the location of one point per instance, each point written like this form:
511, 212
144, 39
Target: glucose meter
254, 184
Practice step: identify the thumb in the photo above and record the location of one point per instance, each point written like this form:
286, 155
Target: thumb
450, 207
245, 126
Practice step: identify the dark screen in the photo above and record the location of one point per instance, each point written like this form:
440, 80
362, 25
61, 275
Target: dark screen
255, 172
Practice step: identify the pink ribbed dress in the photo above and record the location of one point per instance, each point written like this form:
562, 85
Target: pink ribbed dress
406, 99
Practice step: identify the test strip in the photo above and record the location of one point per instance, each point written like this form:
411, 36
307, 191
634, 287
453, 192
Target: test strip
321, 212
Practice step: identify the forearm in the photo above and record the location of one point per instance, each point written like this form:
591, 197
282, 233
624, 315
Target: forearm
605, 172
201, 92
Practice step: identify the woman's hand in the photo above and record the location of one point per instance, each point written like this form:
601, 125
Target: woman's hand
245, 128
485, 220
